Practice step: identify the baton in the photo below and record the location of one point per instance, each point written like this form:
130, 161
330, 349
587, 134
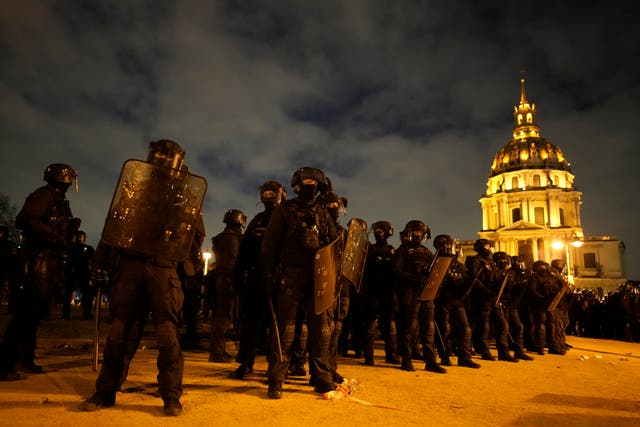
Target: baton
96, 331
275, 327
504, 282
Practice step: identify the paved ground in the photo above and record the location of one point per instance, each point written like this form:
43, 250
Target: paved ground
597, 383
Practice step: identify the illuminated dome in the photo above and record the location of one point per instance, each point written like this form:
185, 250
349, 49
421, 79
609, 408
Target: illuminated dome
529, 153
527, 149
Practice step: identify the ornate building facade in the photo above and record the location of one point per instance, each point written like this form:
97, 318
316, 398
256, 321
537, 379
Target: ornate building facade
531, 207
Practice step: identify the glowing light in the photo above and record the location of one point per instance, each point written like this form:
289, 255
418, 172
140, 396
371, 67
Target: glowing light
524, 155
557, 245
206, 256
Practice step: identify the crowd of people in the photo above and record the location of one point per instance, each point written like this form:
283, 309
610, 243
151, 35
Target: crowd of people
275, 285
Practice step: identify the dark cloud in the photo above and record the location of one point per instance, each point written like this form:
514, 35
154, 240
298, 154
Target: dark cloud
403, 104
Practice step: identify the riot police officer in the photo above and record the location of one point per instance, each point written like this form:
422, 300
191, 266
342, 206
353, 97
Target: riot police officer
48, 228
451, 313
380, 302
543, 287
226, 246
147, 254
343, 313
561, 314
254, 310
411, 266
509, 299
297, 230
485, 286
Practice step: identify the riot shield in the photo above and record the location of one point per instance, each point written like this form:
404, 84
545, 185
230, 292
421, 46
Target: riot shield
502, 286
355, 252
435, 278
154, 210
556, 300
326, 273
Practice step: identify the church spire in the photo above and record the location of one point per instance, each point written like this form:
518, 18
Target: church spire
524, 115
523, 94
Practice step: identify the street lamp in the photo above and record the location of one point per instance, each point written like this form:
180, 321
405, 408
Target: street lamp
206, 256
564, 243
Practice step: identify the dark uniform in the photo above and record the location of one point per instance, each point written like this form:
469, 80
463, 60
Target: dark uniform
342, 314
516, 280
144, 284
380, 302
411, 263
254, 307
191, 273
485, 286
48, 227
298, 228
226, 247
543, 287
451, 313
79, 276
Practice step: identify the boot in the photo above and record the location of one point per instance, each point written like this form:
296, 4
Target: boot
99, 400
407, 365
434, 367
468, 363
172, 408
506, 357
275, 390
522, 355
243, 372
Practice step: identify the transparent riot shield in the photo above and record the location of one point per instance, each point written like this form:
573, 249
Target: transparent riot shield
355, 252
326, 273
154, 210
435, 278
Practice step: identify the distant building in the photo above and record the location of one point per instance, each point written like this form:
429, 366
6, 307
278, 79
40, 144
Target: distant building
531, 208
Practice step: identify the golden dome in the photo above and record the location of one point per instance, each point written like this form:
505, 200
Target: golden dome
529, 153
527, 149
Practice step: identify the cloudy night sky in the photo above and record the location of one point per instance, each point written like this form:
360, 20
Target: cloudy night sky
403, 104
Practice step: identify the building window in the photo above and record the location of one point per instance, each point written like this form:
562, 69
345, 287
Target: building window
536, 180
514, 182
538, 214
590, 260
561, 214
529, 118
519, 119
515, 215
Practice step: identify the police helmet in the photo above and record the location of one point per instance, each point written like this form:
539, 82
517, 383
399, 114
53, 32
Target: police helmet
540, 267
309, 175
482, 247
382, 229
272, 193
417, 231
445, 244
558, 264
502, 260
235, 216
59, 173
166, 153
331, 200
517, 263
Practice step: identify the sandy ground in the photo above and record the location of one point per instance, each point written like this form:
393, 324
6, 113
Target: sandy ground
597, 383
